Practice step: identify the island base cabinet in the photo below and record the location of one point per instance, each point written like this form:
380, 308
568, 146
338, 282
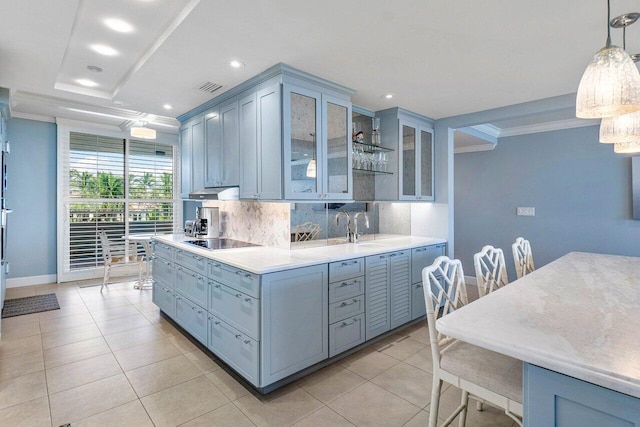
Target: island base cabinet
346, 334
163, 271
164, 298
294, 319
191, 284
191, 317
553, 399
235, 308
237, 349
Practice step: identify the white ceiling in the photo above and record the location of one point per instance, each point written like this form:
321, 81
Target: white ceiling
440, 58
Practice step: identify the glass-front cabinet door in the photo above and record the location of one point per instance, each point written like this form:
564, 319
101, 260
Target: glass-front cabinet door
426, 164
408, 161
416, 161
336, 115
302, 136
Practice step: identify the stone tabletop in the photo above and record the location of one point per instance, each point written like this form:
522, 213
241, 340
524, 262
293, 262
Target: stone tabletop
579, 315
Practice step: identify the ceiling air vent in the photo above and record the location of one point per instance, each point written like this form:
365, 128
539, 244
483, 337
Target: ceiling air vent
208, 87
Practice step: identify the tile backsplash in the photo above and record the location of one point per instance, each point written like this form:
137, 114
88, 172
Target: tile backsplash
262, 223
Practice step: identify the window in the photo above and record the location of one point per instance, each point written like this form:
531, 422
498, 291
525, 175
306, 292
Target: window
119, 185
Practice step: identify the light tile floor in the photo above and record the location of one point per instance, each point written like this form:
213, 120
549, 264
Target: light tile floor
110, 359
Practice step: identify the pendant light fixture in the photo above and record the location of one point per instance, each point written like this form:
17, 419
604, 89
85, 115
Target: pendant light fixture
143, 132
610, 85
622, 130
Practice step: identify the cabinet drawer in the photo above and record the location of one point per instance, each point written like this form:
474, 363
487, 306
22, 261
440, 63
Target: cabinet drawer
424, 257
191, 261
162, 250
163, 271
346, 334
240, 280
418, 307
236, 349
346, 289
191, 285
192, 317
164, 298
347, 308
348, 269
235, 308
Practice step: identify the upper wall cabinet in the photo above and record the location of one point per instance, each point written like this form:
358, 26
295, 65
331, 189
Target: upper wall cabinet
317, 146
292, 130
222, 146
411, 138
191, 157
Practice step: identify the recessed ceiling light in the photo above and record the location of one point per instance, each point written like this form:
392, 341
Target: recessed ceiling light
118, 25
388, 96
86, 82
167, 106
94, 68
236, 64
104, 49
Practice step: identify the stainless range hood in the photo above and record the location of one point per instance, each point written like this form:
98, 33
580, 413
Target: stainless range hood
216, 193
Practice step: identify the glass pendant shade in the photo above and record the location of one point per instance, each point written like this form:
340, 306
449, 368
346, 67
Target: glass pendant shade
623, 129
311, 169
143, 133
610, 86
627, 147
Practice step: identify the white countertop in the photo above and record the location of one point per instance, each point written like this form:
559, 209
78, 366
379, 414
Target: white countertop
262, 259
579, 315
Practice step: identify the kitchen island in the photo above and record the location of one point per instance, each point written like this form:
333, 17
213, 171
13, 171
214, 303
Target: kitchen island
273, 315
575, 324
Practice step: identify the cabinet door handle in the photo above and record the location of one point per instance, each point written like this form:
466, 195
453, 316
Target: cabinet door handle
346, 304
383, 256
344, 284
345, 263
351, 322
393, 255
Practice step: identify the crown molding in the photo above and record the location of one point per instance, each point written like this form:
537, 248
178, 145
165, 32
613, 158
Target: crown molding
488, 129
36, 117
475, 148
548, 126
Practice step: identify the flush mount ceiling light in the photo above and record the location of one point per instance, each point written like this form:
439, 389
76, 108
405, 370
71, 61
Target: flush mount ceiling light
118, 25
610, 85
143, 132
167, 106
104, 50
86, 82
236, 64
388, 95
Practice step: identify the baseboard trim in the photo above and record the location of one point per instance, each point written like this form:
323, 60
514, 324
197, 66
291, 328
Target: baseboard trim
470, 280
17, 282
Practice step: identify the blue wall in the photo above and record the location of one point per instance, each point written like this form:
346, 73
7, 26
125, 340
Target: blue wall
581, 191
31, 193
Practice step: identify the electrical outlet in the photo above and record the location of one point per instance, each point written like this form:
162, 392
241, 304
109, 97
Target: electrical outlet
528, 211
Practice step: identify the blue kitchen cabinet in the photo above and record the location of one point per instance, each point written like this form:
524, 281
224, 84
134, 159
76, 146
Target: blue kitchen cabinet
191, 284
213, 148
164, 297
346, 305
235, 348
249, 147
294, 321
411, 137
191, 157
317, 144
387, 292
192, 317
235, 308
221, 145
554, 399
421, 258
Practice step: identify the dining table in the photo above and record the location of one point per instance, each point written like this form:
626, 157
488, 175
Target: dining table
575, 324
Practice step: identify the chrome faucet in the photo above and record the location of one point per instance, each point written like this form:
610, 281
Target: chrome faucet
345, 214
355, 222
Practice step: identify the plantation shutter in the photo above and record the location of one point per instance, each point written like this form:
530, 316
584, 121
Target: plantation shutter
113, 184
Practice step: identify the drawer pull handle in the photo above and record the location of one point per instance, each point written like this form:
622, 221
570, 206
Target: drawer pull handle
419, 285
238, 336
216, 265
383, 256
178, 298
247, 300
239, 273
193, 308
247, 275
217, 322
351, 322
238, 295
217, 286
247, 341
346, 304
345, 263
393, 255
199, 311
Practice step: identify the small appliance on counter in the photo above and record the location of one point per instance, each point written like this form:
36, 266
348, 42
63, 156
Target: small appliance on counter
208, 222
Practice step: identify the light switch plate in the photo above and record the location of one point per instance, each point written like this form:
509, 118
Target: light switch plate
526, 211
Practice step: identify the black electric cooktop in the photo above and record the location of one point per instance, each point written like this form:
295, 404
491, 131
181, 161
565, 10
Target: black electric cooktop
214, 244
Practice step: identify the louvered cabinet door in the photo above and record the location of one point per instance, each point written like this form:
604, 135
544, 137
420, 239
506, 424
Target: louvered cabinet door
377, 278
400, 287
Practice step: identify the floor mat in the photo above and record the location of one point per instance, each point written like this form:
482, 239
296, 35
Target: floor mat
28, 305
